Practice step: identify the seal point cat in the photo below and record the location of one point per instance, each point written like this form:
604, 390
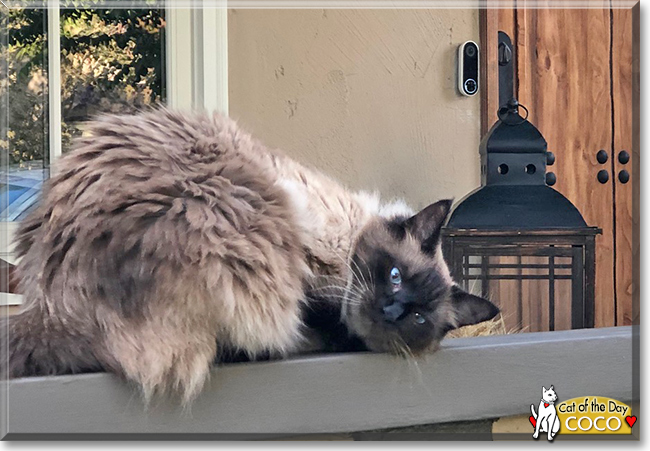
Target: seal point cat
164, 237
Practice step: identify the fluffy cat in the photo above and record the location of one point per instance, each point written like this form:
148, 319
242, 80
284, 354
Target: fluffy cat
163, 238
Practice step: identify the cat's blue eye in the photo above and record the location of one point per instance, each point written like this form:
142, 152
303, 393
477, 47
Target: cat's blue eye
419, 318
395, 276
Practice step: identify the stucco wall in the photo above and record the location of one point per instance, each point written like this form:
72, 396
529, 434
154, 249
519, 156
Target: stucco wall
366, 95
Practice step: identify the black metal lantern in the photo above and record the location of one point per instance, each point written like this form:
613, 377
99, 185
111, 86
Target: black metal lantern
516, 240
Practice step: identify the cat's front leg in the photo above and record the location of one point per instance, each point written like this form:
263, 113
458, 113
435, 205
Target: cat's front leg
538, 424
553, 427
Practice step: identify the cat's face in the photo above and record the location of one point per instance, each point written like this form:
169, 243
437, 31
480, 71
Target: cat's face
549, 395
402, 298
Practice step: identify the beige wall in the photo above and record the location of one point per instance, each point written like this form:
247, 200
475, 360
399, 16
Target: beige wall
366, 95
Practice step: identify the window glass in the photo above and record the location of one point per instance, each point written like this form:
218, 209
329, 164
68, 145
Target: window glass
111, 61
24, 98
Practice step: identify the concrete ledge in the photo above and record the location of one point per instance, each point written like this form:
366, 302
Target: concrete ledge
468, 379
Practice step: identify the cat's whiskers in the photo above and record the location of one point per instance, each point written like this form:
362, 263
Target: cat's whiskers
349, 300
319, 299
407, 354
350, 289
365, 263
360, 278
344, 290
394, 349
361, 272
349, 294
362, 292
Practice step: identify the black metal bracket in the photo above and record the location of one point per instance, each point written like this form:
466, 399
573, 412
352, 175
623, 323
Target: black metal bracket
506, 58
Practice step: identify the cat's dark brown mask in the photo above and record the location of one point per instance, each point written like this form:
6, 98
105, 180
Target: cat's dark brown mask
402, 298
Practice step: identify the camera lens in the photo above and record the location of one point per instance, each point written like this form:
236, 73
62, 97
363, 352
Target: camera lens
470, 50
471, 86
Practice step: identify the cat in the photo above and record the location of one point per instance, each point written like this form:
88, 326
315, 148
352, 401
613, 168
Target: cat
164, 238
546, 418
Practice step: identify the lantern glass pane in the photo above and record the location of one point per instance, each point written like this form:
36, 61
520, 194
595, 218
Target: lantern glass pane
535, 287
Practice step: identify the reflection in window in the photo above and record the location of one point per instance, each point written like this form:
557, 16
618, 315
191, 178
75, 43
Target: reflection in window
112, 60
23, 95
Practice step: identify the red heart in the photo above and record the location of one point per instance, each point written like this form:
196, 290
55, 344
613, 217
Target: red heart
533, 421
631, 420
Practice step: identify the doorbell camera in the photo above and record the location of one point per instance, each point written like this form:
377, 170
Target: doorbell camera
468, 67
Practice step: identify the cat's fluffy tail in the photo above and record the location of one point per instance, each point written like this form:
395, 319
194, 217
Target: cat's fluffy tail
532, 409
30, 345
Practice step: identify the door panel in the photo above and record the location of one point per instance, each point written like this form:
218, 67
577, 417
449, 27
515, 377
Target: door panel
563, 77
626, 219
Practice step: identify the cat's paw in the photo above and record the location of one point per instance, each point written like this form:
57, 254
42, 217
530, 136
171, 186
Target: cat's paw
535, 434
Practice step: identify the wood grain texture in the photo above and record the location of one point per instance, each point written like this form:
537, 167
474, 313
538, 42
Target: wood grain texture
563, 78
626, 217
536, 294
507, 295
563, 295
578, 73
491, 21
636, 167
524, 303
488, 26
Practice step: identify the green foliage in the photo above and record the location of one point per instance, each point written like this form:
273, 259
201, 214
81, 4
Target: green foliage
22, 85
111, 61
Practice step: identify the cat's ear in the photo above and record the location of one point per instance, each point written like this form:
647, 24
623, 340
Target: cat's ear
426, 225
470, 309
543, 390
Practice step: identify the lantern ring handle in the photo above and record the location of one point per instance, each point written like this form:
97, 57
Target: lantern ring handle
512, 107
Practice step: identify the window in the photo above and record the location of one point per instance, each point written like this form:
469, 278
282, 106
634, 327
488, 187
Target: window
24, 146
100, 60
109, 61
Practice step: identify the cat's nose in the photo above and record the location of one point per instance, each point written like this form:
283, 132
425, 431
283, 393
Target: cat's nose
393, 311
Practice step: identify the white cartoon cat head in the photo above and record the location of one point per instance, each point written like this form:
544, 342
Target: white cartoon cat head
549, 395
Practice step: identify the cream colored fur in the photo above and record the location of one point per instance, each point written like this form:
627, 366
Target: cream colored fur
165, 236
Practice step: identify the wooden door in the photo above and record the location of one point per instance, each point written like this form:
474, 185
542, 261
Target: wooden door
574, 72
626, 99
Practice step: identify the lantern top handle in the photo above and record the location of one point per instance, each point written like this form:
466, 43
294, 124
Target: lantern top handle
509, 107
506, 58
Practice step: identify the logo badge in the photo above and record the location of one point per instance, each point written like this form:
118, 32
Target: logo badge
582, 415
